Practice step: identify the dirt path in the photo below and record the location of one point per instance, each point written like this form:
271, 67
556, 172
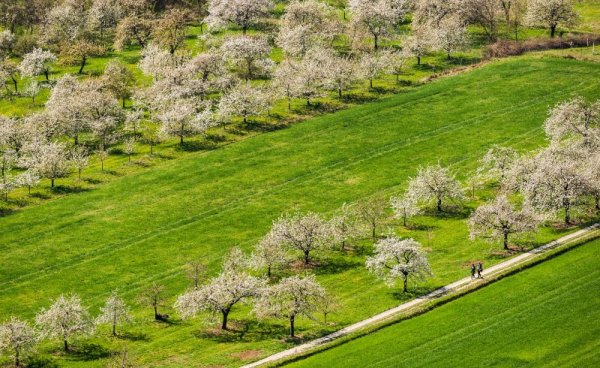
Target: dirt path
448, 289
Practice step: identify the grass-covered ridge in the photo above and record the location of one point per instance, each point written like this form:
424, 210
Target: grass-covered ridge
542, 317
144, 227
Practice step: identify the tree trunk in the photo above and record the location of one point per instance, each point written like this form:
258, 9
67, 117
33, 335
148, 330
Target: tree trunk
156, 317
82, 65
506, 241
597, 200
375, 42
66, 345
15, 84
225, 315
439, 205
371, 83
404, 220
405, 279
292, 326
181, 140
340, 92
306, 258
269, 272
552, 30
79, 174
567, 216
17, 357
123, 102
52, 182
373, 231
47, 76
418, 60
114, 325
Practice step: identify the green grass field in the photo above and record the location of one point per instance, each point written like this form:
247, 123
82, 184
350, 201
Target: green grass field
546, 316
143, 227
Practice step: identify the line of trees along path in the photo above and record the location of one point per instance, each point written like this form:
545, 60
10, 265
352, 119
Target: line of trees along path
452, 288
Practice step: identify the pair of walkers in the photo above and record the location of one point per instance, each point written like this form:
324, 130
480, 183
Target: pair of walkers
476, 269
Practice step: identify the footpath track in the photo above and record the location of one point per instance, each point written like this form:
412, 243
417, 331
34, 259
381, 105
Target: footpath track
453, 288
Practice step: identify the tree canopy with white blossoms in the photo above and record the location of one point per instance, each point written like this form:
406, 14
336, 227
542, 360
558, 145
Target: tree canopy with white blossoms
396, 258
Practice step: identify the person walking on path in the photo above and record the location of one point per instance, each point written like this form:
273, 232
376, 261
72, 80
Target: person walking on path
473, 270
479, 270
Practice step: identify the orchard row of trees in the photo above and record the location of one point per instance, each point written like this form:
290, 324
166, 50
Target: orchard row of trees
532, 187
192, 93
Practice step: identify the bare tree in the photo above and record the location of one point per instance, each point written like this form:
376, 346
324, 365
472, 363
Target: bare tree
372, 212
195, 270
153, 296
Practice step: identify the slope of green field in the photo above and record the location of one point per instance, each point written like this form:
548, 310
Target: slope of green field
144, 227
546, 316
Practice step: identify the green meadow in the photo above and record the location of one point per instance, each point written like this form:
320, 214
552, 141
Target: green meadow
141, 228
545, 316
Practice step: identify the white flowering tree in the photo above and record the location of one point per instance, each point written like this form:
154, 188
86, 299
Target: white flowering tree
551, 13
291, 297
341, 73
243, 13
307, 24
557, 181
268, 254
575, 119
371, 66
249, 56
65, 319
113, 312
420, 42
49, 160
405, 206
37, 62
436, 184
451, 35
497, 161
399, 259
18, 339
244, 101
231, 287
286, 80
307, 233
592, 174
395, 61
378, 17
180, 119
499, 219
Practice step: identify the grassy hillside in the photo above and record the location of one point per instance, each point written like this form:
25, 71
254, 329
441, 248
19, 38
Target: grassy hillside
144, 227
543, 317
